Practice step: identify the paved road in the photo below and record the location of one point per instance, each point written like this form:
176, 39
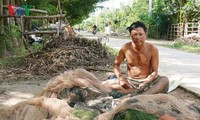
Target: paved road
175, 64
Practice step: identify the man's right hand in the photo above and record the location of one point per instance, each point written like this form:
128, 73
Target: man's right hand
124, 84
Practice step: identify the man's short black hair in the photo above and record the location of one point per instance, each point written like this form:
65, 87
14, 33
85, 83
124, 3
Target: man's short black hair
135, 25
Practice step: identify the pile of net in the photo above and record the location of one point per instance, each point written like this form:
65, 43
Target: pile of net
79, 95
190, 39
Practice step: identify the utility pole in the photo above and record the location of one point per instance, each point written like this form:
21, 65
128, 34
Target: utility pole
180, 11
180, 19
150, 7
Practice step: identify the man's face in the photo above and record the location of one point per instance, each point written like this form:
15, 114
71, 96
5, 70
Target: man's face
138, 36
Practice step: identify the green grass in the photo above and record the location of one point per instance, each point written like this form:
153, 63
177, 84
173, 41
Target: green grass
114, 52
7, 62
184, 47
84, 114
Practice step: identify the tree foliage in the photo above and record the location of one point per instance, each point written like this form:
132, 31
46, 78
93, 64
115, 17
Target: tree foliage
75, 10
163, 14
78, 10
191, 12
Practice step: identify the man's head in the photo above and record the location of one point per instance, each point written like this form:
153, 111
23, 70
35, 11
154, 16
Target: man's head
135, 25
137, 32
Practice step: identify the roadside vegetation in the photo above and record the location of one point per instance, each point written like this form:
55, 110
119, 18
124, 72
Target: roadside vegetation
182, 46
163, 14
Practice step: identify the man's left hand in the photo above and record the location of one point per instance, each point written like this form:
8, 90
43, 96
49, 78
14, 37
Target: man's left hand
141, 86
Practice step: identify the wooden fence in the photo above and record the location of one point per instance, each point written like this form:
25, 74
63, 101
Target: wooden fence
192, 28
178, 30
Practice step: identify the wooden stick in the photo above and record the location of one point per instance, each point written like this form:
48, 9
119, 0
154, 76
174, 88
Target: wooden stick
34, 17
44, 17
98, 69
41, 32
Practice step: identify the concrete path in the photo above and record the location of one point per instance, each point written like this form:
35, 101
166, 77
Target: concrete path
179, 66
183, 64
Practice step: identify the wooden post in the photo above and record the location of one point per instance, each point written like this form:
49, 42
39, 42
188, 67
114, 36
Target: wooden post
199, 28
22, 33
22, 25
181, 24
17, 2
6, 12
1, 19
13, 2
59, 20
2, 41
186, 29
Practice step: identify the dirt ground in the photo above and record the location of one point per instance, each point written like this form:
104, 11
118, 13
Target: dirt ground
14, 89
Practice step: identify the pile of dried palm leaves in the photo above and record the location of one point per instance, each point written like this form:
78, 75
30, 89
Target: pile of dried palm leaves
59, 55
190, 39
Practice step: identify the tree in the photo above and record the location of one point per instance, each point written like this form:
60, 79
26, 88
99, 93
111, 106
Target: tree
9, 32
78, 10
75, 10
191, 11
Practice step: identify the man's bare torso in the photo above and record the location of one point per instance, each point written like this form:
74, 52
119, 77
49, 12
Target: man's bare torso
138, 62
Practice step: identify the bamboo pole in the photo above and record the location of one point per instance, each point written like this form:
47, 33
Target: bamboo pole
41, 32
38, 11
44, 17
1, 13
8, 16
35, 17
59, 21
31, 10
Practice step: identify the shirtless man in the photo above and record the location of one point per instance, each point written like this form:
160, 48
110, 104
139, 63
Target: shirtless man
142, 65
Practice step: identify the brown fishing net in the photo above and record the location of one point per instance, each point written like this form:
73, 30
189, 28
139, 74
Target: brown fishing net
52, 101
157, 105
67, 94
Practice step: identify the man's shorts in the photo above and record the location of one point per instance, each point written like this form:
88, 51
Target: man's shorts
135, 83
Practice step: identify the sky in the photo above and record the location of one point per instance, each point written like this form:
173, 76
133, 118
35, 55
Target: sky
113, 4
116, 3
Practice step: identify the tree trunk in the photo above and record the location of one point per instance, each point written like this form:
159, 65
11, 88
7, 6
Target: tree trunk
1, 19
2, 47
14, 39
2, 41
17, 2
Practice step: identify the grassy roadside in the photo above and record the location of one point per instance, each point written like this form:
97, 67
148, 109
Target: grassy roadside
170, 44
181, 46
175, 45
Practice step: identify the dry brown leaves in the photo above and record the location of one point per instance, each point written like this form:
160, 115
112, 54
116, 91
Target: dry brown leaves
60, 55
190, 39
